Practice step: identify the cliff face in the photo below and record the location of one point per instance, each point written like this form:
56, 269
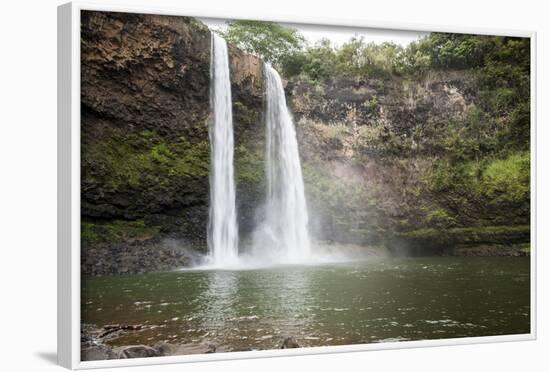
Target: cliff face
374, 155
371, 151
144, 129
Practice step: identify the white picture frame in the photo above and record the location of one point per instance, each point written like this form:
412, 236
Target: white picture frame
69, 186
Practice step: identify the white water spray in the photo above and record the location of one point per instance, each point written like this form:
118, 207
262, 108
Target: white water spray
284, 234
223, 238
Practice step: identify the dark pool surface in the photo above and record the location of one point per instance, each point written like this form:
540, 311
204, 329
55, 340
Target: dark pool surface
394, 299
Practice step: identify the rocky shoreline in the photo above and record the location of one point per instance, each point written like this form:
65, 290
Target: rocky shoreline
95, 345
137, 257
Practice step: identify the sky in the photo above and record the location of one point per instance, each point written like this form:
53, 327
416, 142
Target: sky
339, 35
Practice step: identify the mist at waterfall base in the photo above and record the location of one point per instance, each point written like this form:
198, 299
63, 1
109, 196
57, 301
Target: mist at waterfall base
281, 235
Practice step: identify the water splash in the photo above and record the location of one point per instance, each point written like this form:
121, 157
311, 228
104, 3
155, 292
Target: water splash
223, 238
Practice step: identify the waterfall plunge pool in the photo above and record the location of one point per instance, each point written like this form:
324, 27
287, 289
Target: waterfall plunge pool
385, 299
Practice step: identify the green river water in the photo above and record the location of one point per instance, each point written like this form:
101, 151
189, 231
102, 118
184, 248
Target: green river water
395, 299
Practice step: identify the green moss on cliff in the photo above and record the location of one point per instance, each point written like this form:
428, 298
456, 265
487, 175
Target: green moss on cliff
116, 230
134, 159
498, 182
441, 218
249, 165
507, 180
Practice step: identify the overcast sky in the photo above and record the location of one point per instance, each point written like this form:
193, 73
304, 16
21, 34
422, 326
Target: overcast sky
339, 35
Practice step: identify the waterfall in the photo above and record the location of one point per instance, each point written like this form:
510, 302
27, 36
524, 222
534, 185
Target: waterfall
223, 236
285, 231
283, 234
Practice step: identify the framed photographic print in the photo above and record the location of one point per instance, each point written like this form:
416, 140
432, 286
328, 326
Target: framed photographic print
240, 186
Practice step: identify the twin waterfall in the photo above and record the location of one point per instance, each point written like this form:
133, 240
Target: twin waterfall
283, 234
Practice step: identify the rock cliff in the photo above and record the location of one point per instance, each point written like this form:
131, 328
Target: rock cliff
372, 150
369, 150
145, 149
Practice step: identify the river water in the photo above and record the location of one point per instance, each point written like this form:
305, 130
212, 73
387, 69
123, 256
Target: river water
394, 299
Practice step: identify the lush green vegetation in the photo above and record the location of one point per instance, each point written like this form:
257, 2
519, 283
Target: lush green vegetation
268, 40
356, 58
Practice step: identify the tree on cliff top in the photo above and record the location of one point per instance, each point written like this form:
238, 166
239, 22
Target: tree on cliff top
269, 41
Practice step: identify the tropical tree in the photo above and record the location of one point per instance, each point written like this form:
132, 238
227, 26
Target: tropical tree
267, 40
